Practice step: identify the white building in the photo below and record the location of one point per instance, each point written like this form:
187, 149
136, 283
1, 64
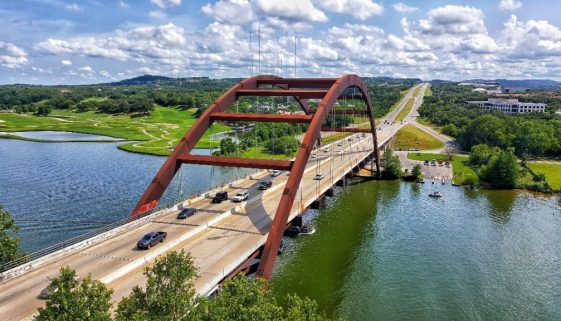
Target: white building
512, 106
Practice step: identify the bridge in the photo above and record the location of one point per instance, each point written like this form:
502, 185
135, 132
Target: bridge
227, 238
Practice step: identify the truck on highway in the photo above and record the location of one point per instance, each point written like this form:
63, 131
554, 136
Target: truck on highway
151, 239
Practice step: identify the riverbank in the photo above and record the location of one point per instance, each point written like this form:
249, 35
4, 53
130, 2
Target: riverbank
155, 134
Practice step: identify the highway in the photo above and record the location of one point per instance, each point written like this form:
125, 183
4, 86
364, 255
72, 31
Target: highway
217, 239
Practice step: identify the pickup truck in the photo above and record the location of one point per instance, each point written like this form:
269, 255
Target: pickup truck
151, 239
219, 197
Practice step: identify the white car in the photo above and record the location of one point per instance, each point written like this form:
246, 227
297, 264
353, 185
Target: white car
240, 197
275, 173
326, 150
340, 144
318, 177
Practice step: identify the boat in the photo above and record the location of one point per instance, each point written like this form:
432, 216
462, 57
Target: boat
435, 194
307, 229
454, 184
420, 181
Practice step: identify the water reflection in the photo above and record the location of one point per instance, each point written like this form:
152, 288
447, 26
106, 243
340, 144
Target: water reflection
500, 204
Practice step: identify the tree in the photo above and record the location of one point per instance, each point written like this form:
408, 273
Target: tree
9, 243
481, 154
43, 110
70, 299
248, 299
503, 169
416, 172
450, 130
227, 146
391, 165
169, 293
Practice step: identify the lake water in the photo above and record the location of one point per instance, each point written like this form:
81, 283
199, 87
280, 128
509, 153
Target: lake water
63, 136
56, 191
387, 251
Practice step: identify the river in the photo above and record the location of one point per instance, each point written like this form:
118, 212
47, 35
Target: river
56, 191
387, 251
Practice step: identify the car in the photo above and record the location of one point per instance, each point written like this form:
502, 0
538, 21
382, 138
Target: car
314, 156
426, 162
340, 144
240, 197
275, 173
219, 197
46, 293
186, 212
265, 185
318, 177
350, 139
363, 135
151, 239
325, 150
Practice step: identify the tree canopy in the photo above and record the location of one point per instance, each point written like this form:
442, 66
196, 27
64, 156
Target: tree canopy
9, 242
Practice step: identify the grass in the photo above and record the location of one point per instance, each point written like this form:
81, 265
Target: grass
417, 91
552, 172
261, 152
151, 134
405, 111
410, 136
460, 167
428, 91
334, 137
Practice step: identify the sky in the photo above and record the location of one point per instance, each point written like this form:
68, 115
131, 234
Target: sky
96, 41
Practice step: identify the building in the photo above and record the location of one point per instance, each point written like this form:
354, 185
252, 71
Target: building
511, 106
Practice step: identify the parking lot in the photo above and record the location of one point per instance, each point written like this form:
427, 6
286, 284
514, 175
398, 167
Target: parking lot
434, 171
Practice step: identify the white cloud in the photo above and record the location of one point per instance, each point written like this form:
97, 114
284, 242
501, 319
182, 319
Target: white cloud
452, 19
73, 7
510, 5
87, 69
166, 3
124, 5
237, 12
360, 9
403, 8
291, 10
11, 56
531, 39
66, 62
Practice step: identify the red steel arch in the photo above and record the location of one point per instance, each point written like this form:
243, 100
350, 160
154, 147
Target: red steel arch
302, 89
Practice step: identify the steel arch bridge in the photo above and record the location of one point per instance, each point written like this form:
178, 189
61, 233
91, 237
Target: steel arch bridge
329, 90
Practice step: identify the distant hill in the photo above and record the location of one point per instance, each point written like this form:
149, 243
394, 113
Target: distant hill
521, 83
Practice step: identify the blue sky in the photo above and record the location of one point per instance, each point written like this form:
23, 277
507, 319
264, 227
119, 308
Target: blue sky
92, 41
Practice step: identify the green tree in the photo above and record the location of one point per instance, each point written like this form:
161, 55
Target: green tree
481, 154
450, 130
244, 299
391, 165
416, 172
9, 242
169, 293
43, 110
72, 300
503, 169
227, 146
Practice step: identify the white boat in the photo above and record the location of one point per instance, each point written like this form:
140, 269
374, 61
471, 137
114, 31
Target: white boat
435, 194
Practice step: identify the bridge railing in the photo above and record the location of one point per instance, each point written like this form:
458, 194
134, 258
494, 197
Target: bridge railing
59, 246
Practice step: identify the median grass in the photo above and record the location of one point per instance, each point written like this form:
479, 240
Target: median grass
406, 110
552, 172
394, 106
460, 167
152, 134
410, 136
417, 91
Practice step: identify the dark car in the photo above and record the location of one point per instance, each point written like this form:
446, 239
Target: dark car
219, 197
186, 212
265, 185
151, 239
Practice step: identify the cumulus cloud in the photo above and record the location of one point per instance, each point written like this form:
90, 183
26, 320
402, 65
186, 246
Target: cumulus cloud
124, 5
12, 56
510, 5
66, 62
291, 10
166, 3
531, 39
237, 12
403, 8
133, 44
360, 9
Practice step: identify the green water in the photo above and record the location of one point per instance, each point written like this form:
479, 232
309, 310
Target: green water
387, 251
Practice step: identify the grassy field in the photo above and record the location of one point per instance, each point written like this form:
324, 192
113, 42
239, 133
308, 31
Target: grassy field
552, 172
394, 106
460, 167
405, 111
152, 134
428, 91
410, 136
417, 91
